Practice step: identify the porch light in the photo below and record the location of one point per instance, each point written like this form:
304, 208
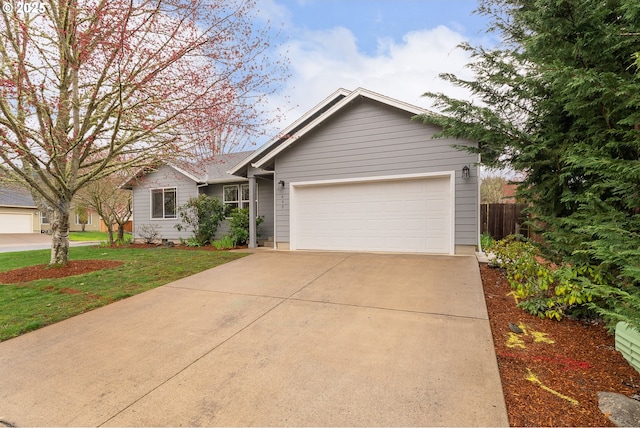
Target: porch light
281, 184
466, 172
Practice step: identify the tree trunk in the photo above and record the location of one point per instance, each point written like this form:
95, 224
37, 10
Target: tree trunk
109, 231
120, 239
60, 234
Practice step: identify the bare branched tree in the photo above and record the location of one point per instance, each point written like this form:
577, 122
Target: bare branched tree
89, 87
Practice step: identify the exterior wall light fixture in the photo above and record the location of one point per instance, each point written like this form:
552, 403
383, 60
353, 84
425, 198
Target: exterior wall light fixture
466, 172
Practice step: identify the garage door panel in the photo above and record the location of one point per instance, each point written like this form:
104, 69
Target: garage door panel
16, 223
409, 215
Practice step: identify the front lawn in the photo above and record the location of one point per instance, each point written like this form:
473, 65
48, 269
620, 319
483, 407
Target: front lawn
31, 305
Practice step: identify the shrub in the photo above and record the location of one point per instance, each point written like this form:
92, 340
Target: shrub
148, 232
190, 242
239, 225
486, 241
540, 290
202, 214
579, 288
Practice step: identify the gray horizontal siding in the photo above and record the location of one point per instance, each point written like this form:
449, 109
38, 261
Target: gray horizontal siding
265, 207
163, 177
369, 139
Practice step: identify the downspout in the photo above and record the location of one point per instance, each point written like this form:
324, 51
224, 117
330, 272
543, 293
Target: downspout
253, 233
478, 167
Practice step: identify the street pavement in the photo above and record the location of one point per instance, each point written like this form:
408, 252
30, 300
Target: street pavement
10, 242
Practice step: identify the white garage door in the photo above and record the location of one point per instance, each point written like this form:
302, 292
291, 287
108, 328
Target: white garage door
408, 215
15, 223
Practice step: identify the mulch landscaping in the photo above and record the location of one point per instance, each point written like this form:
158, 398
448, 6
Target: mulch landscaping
551, 371
75, 267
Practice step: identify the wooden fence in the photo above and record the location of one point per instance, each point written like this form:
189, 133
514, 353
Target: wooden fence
500, 220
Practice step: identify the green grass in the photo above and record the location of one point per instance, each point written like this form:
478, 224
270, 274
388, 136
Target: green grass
89, 236
29, 306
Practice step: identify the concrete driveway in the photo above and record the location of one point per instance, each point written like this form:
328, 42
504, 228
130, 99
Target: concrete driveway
273, 339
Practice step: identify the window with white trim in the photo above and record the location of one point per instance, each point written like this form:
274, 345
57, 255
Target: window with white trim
43, 218
164, 203
89, 219
237, 196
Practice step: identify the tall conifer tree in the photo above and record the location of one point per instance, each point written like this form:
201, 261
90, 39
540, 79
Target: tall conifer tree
559, 100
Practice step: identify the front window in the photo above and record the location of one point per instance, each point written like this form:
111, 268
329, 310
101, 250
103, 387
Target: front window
237, 196
43, 218
231, 199
89, 217
163, 203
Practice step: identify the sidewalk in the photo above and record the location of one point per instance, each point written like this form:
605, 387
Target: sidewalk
11, 242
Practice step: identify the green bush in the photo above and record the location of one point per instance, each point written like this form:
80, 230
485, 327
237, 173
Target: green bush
616, 304
580, 288
542, 291
202, 214
239, 225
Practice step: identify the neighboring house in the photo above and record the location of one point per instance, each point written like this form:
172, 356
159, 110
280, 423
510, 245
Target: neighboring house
355, 173
509, 190
19, 214
93, 222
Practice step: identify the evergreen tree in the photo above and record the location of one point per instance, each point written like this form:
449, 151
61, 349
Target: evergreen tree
559, 100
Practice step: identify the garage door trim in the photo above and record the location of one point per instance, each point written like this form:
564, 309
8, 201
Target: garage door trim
13, 222
294, 186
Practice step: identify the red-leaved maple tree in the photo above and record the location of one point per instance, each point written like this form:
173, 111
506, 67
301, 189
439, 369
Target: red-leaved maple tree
90, 87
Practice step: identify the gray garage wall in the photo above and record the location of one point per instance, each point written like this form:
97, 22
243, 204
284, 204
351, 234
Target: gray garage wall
368, 139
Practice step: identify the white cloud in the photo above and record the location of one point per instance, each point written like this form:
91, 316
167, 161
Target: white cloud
323, 61
269, 11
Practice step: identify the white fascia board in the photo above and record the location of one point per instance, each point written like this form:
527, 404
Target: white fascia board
337, 107
129, 182
267, 146
187, 173
391, 101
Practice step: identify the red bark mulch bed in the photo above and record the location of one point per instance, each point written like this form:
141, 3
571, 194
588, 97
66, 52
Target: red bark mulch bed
75, 267
552, 372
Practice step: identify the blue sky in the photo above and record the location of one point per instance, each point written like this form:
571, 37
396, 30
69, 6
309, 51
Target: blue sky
394, 47
372, 21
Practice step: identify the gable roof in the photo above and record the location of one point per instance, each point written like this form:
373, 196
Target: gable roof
210, 172
314, 117
217, 171
11, 197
